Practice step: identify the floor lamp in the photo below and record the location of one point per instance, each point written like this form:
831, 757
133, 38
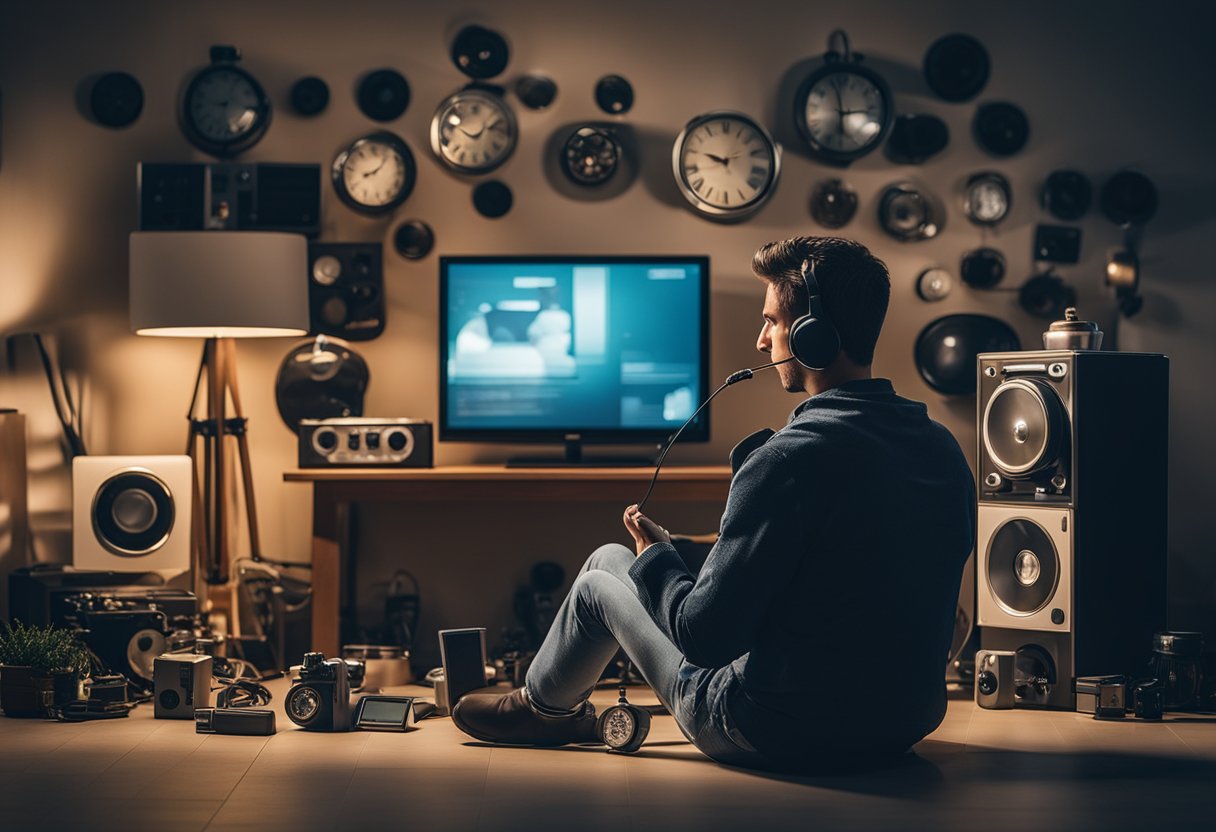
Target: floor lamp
218, 285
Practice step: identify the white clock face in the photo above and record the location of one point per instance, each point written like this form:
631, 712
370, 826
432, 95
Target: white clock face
473, 131
374, 173
224, 105
725, 164
845, 113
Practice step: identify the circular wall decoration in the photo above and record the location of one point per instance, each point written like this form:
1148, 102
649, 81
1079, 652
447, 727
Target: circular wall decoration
1000, 128
725, 164
479, 52
916, 138
833, 203
1128, 198
987, 198
934, 284
1067, 194
982, 268
536, 92
374, 174
956, 67
224, 110
614, 95
946, 350
492, 199
473, 131
908, 214
1046, 296
383, 95
413, 239
843, 109
590, 156
116, 99
309, 96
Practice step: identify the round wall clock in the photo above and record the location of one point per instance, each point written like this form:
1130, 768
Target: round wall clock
473, 131
843, 109
374, 174
224, 110
590, 156
987, 198
725, 164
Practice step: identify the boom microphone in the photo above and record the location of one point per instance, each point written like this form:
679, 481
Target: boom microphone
733, 378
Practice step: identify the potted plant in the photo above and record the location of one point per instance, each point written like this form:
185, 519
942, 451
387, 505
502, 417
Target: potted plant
40, 668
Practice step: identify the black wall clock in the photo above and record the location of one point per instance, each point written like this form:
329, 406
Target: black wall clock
843, 109
383, 95
116, 99
224, 110
374, 174
591, 155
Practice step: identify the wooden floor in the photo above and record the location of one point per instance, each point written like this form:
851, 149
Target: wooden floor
982, 770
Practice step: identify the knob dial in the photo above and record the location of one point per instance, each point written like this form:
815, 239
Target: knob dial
327, 439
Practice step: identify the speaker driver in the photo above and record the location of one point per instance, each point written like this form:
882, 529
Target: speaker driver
1023, 422
133, 513
142, 650
1023, 567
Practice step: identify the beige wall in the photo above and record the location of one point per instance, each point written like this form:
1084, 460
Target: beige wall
1104, 84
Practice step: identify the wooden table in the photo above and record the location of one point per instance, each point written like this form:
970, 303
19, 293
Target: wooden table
334, 489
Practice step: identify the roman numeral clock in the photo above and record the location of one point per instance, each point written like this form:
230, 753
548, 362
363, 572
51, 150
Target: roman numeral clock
725, 164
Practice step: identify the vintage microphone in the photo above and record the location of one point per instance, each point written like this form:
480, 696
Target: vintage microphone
733, 378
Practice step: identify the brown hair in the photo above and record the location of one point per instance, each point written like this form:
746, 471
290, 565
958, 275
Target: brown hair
854, 285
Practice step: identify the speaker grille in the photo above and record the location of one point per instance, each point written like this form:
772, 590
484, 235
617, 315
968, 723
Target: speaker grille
133, 513
1022, 426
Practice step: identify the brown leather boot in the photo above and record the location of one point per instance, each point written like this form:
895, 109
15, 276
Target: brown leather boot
511, 719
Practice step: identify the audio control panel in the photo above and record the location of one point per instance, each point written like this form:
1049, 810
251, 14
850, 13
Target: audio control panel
365, 442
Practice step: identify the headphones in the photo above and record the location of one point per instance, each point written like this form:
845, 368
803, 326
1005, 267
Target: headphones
814, 341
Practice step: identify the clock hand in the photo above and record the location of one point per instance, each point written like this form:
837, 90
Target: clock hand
718, 159
373, 172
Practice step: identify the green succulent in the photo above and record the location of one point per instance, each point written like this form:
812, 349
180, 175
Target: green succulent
45, 649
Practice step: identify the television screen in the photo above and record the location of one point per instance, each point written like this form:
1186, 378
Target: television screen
537, 348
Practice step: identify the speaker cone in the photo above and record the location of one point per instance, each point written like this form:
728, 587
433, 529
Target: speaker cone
1023, 567
133, 513
1023, 423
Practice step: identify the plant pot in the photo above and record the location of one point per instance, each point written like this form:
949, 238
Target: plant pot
25, 692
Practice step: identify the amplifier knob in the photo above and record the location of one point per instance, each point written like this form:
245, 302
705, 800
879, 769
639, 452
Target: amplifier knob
1057, 370
397, 440
327, 439
352, 440
990, 372
993, 480
1059, 481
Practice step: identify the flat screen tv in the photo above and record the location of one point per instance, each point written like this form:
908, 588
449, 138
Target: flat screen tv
573, 349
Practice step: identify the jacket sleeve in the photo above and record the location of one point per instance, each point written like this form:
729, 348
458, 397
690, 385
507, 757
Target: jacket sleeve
715, 618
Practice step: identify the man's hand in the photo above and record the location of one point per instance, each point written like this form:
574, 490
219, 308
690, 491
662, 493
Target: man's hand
644, 530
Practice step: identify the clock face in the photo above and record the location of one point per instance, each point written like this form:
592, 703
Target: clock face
725, 164
473, 131
375, 174
988, 198
843, 113
590, 156
225, 110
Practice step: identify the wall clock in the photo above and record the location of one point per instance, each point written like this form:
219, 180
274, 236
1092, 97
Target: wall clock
225, 110
725, 164
374, 174
987, 198
590, 156
473, 131
843, 109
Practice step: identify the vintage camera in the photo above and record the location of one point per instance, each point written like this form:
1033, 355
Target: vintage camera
994, 679
320, 698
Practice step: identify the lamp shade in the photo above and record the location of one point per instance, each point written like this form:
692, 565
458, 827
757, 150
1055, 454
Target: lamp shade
219, 284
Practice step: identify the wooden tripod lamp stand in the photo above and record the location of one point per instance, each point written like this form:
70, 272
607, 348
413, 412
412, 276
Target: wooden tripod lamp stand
218, 285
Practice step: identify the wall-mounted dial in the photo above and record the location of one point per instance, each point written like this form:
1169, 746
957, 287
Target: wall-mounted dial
843, 109
987, 198
374, 174
725, 164
473, 131
591, 155
224, 110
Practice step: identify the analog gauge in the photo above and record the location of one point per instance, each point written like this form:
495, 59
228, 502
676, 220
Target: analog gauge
473, 131
224, 110
725, 164
374, 174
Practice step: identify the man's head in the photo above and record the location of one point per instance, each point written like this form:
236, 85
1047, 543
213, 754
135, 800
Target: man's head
854, 290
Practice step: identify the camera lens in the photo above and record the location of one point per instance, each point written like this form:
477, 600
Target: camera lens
302, 705
987, 682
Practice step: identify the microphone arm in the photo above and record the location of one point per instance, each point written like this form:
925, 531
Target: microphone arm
733, 378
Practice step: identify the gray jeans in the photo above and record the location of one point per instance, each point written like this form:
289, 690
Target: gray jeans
601, 613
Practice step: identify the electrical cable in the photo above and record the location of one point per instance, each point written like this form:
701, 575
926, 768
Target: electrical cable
243, 693
733, 378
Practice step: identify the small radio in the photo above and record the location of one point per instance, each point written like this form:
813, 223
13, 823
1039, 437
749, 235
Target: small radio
346, 442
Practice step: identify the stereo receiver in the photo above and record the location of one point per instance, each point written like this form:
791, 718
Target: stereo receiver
365, 442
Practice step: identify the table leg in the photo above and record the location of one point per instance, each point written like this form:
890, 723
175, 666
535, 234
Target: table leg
327, 554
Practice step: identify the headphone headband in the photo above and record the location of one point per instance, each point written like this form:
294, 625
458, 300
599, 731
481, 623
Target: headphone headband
814, 299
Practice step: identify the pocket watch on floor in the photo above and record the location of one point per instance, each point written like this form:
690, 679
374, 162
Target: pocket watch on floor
374, 174
725, 164
623, 727
224, 110
473, 131
843, 109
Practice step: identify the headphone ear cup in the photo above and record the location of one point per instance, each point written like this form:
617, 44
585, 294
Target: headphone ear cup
814, 342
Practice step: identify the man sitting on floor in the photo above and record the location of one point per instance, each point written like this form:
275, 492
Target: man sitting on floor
819, 626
